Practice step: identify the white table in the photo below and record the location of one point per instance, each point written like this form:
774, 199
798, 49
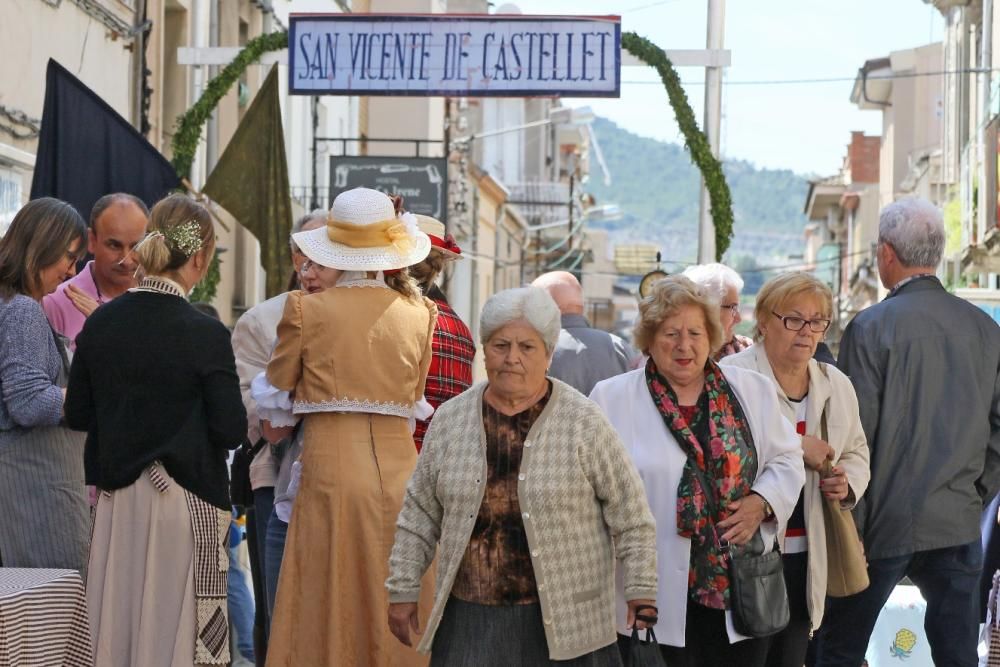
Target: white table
43, 618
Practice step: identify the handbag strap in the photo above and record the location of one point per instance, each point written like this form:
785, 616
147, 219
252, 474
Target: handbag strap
824, 433
256, 447
713, 508
651, 620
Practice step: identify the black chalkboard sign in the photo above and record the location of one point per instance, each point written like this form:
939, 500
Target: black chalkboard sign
422, 182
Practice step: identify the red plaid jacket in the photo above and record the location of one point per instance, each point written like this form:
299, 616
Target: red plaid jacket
451, 367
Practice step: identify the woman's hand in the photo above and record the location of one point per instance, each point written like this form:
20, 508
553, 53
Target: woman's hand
630, 618
815, 452
835, 486
747, 514
402, 619
85, 303
274, 434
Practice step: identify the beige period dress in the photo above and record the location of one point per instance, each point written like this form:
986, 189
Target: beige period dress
356, 357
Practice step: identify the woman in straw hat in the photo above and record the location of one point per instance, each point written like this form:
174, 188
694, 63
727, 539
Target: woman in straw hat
354, 359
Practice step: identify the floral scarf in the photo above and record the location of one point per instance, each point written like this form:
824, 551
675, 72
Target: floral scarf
729, 461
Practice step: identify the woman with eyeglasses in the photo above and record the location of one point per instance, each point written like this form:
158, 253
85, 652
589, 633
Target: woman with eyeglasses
725, 285
793, 312
43, 500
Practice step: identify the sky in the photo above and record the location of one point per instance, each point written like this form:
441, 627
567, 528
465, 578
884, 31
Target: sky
803, 127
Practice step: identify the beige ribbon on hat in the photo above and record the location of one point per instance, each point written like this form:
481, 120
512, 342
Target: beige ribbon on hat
375, 235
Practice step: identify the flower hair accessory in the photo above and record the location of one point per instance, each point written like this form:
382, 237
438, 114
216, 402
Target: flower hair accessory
185, 238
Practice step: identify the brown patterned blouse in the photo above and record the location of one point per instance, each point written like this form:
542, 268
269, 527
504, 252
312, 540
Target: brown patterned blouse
496, 567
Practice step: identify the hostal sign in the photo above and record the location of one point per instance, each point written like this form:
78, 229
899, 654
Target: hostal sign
467, 56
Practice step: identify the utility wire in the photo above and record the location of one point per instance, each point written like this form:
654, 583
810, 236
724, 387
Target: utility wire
648, 5
780, 82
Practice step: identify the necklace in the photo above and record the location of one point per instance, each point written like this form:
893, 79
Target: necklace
160, 285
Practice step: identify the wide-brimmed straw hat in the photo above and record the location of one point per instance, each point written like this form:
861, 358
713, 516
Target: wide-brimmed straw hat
363, 233
443, 242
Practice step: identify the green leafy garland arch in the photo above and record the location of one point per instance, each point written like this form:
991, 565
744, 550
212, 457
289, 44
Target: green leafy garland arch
190, 123
694, 139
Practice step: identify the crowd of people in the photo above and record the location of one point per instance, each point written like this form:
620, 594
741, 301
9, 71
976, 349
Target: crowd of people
690, 482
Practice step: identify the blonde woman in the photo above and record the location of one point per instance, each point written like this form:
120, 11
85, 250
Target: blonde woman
793, 312
154, 385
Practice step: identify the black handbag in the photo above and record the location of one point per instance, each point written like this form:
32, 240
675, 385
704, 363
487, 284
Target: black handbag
638, 653
240, 491
758, 598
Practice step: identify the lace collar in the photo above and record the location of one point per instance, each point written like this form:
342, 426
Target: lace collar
361, 279
160, 285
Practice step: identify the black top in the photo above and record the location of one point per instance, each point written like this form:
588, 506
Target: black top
155, 380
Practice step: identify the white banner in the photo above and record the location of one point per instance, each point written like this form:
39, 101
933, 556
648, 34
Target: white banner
443, 55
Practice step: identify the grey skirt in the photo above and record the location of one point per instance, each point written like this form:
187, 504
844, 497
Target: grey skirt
476, 635
44, 513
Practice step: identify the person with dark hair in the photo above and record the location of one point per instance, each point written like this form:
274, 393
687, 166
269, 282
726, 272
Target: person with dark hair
43, 500
117, 223
451, 368
154, 385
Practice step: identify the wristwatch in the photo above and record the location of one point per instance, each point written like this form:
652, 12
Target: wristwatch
768, 510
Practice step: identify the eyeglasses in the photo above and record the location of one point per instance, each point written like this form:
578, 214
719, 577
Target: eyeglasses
733, 308
793, 323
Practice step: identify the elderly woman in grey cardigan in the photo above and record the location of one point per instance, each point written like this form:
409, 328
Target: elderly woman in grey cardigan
529, 497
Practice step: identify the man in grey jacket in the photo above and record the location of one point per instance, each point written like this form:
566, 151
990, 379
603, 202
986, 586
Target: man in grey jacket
926, 368
584, 355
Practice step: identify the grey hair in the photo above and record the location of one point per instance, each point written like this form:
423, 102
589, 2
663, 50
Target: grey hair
532, 304
716, 278
318, 214
914, 228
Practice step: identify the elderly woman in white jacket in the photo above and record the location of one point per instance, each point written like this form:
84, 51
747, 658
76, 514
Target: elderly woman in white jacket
793, 312
682, 411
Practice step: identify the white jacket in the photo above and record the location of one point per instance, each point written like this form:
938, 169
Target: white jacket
253, 340
660, 460
828, 388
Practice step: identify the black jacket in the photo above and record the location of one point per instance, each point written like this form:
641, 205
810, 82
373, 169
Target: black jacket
926, 367
155, 380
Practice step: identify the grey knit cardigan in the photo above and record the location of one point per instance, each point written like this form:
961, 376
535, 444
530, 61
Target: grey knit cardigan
29, 366
582, 504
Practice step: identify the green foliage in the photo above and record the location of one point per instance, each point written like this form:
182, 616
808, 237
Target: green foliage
952, 213
188, 129
206, 289
694, 139
189, 125
657, 189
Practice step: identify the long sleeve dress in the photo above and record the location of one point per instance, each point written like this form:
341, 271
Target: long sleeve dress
355, 357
